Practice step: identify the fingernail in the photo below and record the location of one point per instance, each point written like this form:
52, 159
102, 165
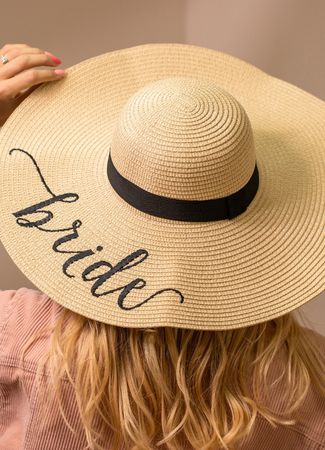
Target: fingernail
59, 71
55, 59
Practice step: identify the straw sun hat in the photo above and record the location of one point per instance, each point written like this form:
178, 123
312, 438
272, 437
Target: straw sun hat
167, 185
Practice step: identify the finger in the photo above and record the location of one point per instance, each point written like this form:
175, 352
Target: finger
11, 51
16, 51
10, 88
23, 62
8, 47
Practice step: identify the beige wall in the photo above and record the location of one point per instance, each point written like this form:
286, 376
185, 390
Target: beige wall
283, 37
286, 38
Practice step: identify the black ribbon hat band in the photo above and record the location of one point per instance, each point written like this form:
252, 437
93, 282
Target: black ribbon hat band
185, 210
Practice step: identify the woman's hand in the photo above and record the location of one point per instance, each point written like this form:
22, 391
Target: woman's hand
19, 77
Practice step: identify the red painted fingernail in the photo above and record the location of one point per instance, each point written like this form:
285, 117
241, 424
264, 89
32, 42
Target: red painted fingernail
55, 59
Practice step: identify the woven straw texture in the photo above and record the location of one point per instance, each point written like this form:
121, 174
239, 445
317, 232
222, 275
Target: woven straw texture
184, 122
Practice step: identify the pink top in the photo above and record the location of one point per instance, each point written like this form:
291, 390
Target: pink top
23, 312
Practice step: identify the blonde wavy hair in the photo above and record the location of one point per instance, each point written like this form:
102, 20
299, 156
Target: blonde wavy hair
174, 389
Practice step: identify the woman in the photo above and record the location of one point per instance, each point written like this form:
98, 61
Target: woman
110, 387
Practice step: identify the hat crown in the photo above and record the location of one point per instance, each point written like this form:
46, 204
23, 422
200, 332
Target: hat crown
184, 138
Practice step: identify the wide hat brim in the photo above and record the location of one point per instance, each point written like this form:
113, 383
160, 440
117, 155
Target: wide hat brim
221, 274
